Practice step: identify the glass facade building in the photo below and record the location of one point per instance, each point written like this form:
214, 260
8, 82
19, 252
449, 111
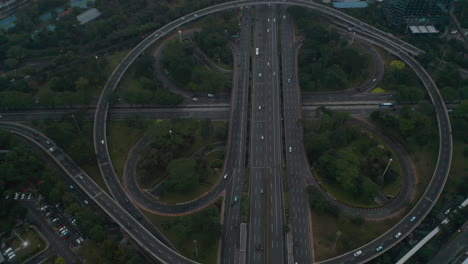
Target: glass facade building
416, 12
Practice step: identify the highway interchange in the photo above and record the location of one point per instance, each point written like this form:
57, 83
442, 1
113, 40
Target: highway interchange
237, 139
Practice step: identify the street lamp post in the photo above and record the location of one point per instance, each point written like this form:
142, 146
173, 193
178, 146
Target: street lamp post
97, 62
170, 133
180, 35
338, 234
352, 40
386, 168
196, 249
76, 124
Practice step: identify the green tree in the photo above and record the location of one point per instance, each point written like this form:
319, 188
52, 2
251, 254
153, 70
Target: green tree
449, 94
97, 233
144, 66
206, 130
409, 94
182, 174
82, 84
59, 260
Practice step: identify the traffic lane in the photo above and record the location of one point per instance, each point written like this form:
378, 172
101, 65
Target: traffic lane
275, 207
137, 231
91, 189
257, 156
237, 138
256, 238
440, 175
294, 155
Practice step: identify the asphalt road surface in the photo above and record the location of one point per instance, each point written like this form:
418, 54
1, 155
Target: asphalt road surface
130, 224
235, 159
296, 162
266, 205
154, 247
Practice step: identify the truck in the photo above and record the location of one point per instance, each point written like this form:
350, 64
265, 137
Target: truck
462, 205
256, 51
386, 105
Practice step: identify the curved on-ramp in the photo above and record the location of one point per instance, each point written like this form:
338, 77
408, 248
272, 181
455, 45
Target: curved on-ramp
374, 35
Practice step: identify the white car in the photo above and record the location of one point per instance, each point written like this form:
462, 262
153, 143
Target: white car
260, 75
290, 149
210, 95
357, 253
102, 141
398, 235
225, 176
51, 149
261, 137
195, 99
259, 107
374, 80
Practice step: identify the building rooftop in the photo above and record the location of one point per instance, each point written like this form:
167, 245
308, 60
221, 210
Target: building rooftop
87, 16
354, 4
423, 29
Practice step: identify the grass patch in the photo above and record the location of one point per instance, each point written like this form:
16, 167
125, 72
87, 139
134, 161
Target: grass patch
341, 195
355, 232
378, 90
50, 260
129, 83
393, 188
199, 189
91, 252
457, 175
114, 60
121, 138
185, 246
424, 160
35, 244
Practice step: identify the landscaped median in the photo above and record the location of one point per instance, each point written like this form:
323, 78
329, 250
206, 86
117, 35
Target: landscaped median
195, 236
350, 162
26, 243
182, 159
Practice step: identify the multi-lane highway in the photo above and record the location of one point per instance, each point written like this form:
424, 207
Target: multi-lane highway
266, 203
235, 159
234, 165
432, 193
297, 168
130, 223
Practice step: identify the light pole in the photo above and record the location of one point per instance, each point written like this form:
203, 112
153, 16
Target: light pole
97, 62
196, 249
170, 133
338, 234
180, 35
354, 33
76, 124
386, 168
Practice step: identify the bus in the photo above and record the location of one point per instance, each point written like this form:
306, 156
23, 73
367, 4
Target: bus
256, 51
386, 105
